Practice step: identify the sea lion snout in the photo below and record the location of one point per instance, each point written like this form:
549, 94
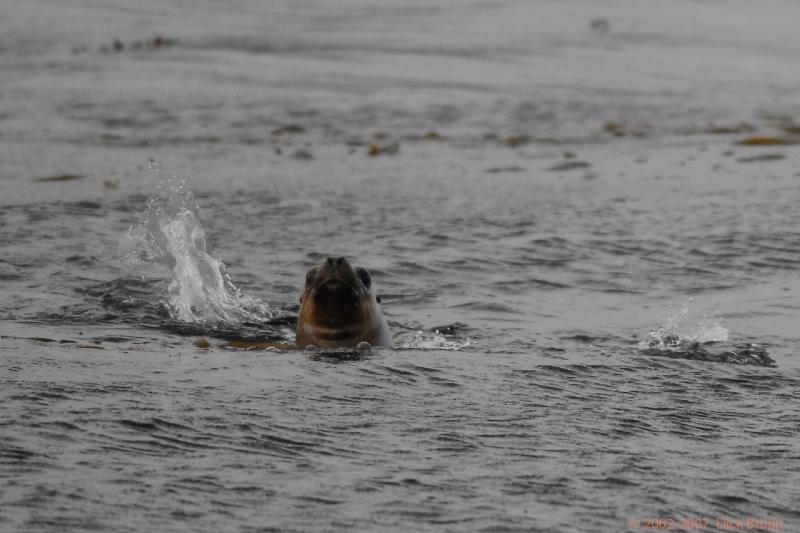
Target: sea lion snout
334, 273
337, 268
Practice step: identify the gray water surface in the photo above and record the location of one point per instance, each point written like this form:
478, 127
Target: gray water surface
545, 196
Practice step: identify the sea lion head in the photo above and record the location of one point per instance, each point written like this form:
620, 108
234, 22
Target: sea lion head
339, 308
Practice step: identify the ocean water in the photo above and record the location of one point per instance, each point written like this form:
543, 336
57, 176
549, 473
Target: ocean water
582, 219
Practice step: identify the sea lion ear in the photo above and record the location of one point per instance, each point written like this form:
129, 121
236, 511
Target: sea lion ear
378, 298
364, 276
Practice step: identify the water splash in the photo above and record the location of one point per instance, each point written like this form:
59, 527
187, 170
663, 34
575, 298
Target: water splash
170, 233
674, 334
709, 329
431, 340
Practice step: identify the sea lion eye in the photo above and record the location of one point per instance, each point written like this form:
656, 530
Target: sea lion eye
310, 276
364, 276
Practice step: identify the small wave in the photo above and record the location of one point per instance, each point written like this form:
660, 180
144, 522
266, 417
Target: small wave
201, 291
15, 454
745, 354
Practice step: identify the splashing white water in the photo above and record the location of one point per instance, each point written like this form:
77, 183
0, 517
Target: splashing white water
426, 340
673, 333
170, 232
709, 329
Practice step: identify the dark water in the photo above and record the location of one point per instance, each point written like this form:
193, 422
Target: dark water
585, 237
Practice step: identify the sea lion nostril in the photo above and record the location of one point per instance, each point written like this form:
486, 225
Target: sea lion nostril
339, 261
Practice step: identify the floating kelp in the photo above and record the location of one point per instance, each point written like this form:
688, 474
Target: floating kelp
765, 141
202, 343
376, 149
615, 128
517, 140
118, 46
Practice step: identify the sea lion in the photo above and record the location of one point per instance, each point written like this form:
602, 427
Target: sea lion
339, 308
